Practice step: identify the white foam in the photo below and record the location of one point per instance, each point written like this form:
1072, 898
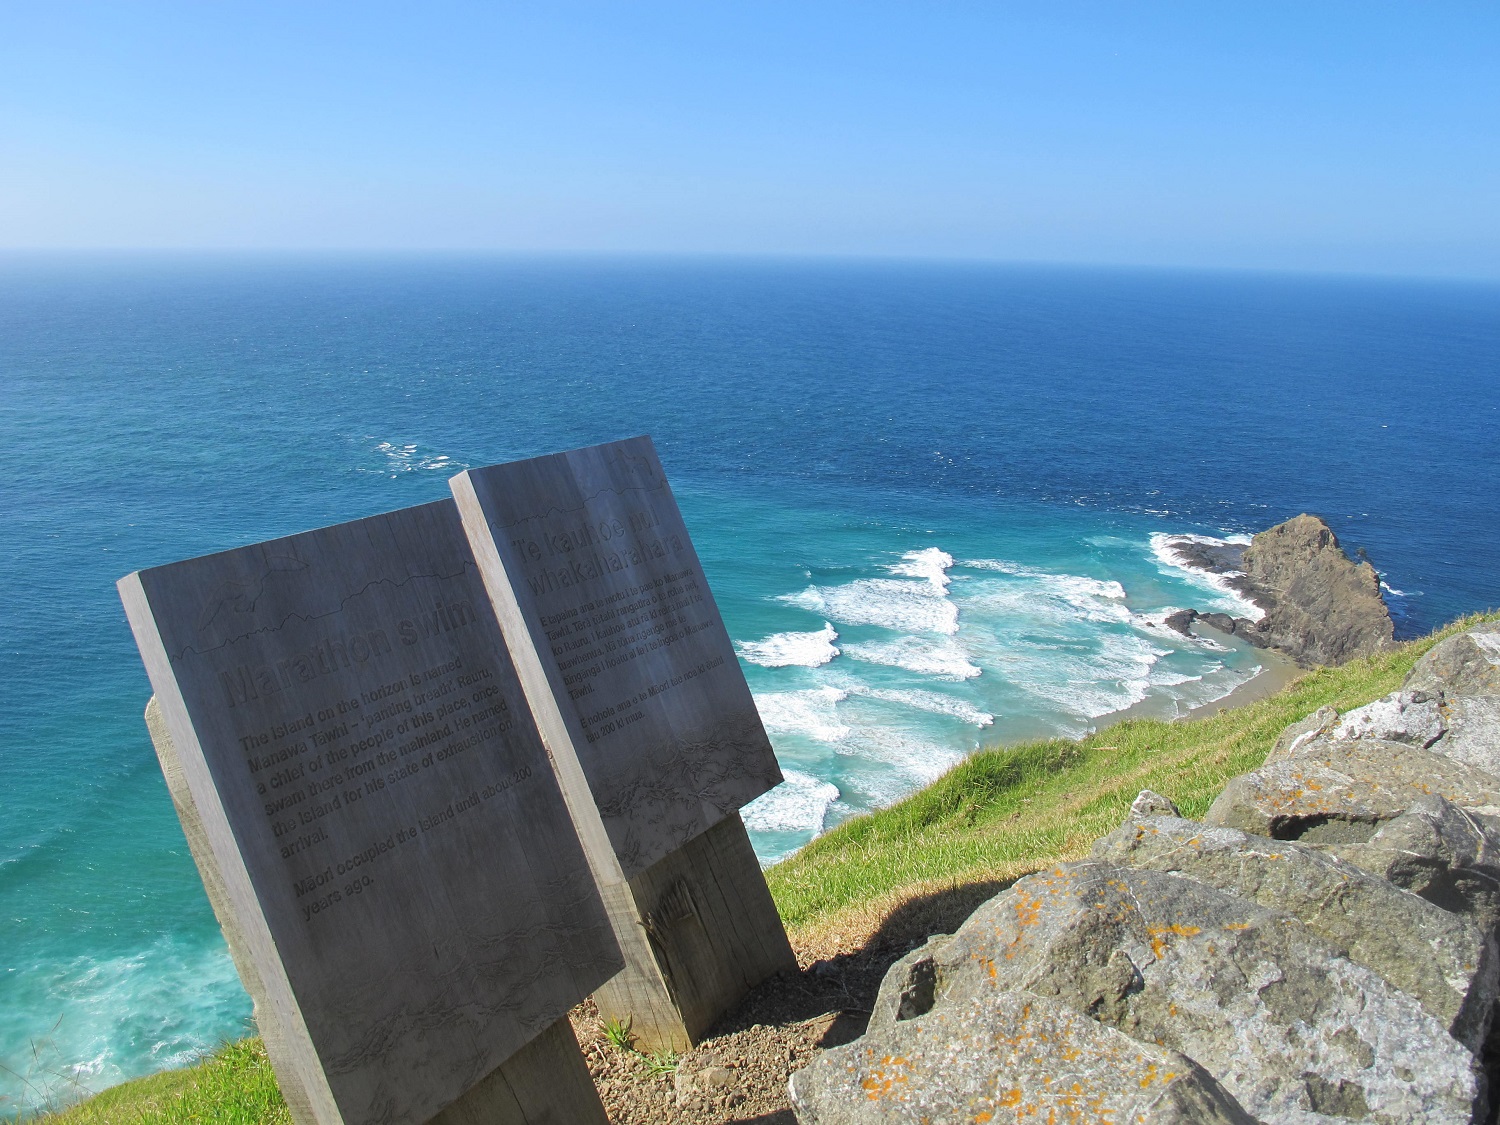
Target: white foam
1160, 678
891, 603
931, 564
1076, 585
1069, 595
1051, 603
799, 804
812, 713
944, 657
1229, 598
118, 1017
915, 761
1389, 589
1109, 678
408, 458
787, 650
1158, 621
933, 702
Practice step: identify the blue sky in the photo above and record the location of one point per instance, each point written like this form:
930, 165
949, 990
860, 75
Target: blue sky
1320, 134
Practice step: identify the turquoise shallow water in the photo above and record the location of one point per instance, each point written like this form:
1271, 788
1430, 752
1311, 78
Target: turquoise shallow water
883, 649
925, 496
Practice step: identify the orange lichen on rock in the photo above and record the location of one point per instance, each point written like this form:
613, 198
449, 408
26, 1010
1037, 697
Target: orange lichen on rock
1159, 934
1010, 1057
885, 1078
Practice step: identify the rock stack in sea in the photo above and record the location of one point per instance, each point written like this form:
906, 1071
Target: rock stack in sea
1321, 948
1317, 605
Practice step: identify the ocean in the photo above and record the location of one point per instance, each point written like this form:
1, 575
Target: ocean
931, 499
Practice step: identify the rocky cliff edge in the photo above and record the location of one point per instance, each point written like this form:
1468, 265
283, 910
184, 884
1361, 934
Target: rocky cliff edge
1318, 606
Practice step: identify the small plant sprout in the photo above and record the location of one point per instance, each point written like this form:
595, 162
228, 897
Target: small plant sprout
619, 1035
661, 1062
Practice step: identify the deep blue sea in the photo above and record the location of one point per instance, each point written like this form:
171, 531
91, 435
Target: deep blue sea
930, 500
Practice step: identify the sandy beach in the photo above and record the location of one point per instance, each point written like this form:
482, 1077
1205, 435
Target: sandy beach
1276, 671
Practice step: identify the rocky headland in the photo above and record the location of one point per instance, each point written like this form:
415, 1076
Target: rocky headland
1317, 605
1320, 948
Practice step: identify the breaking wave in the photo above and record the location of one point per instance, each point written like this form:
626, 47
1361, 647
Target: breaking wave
901, 605
942, 657
799, 804
787, 650
1224, 596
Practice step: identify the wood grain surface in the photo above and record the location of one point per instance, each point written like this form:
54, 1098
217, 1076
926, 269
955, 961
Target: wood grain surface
391, 842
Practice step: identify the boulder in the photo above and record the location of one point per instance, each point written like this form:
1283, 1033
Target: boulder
909, 987
1471, 731
1294, 1030
1465, 728
1411, 717
1181, 621
1324, 609
1238, 626
1319, 722
1148, 803
1007, 1057
1443, 960
1339, 791
1466, 663
1435, 849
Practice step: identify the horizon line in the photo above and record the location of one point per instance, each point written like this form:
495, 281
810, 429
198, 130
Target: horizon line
12, 253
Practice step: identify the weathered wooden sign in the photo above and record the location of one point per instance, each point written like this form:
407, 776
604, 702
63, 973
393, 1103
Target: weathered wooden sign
395, 859
636, 688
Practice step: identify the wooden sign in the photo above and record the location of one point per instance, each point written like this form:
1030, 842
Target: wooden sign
392, 845
637, 690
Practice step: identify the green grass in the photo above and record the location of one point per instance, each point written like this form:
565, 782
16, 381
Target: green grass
233, 1086
618, 1035
1005, 812
998, 815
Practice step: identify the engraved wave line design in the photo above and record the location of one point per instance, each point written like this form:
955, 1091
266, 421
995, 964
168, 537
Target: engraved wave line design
690, 772
174, 657
237, 600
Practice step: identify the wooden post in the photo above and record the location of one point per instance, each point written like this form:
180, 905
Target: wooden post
546, 1082
713, 934
647, 719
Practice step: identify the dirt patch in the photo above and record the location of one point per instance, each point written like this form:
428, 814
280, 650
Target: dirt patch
738, 1075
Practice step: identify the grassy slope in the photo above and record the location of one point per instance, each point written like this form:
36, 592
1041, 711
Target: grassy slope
234, 1086
1005, 812
998, 815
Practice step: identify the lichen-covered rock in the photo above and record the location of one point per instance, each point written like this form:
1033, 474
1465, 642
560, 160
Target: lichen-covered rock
1435, 849
1411, 717
1471, 731
1466, 663
1007, 1057
1339, 791
1295, 1031
1291, 799
1465, 728
909, 986
1148, 803
1319, 722
1443, 960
